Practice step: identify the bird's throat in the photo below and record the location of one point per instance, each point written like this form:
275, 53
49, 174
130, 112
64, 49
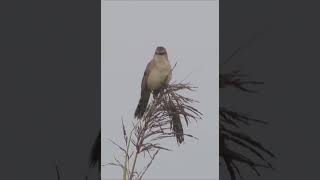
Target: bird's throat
161, 59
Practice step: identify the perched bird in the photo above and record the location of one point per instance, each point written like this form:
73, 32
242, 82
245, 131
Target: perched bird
156, 75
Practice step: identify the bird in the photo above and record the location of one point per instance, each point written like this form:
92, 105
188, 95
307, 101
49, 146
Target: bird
156, 76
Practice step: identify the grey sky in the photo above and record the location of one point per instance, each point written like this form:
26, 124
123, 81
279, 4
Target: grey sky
189, 31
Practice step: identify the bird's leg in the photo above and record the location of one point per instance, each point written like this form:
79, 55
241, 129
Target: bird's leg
156, 93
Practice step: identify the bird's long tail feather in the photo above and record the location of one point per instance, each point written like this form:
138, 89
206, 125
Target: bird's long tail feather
176, 124
177, 128
142, 105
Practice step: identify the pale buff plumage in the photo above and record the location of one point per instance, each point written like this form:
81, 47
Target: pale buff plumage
156, 75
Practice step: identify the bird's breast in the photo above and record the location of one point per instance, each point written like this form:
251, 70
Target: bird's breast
159, 75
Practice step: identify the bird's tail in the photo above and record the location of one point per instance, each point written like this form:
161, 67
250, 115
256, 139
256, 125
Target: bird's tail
142, 105
177, 128
176, 124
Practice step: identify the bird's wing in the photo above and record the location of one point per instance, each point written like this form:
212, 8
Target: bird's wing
144, 82
168, 79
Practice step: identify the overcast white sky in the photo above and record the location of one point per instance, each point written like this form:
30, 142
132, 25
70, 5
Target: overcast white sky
131, 30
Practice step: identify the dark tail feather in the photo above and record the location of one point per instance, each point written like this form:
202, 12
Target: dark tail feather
142, 105
95, 155
176, 125
177, 128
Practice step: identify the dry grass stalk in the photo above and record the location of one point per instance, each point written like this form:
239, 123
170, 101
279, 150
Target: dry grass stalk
229, 138
161, 120
237, 80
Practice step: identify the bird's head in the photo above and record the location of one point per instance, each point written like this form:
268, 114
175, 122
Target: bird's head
161, 51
